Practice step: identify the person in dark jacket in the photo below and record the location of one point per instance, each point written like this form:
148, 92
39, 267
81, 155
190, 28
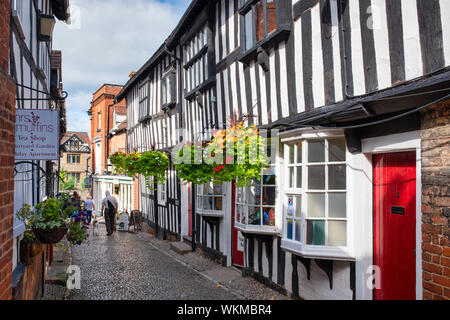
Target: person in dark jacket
109, 209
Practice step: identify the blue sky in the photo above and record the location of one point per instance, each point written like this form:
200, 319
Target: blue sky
106, 41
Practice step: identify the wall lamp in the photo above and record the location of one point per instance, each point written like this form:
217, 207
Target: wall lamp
46, 25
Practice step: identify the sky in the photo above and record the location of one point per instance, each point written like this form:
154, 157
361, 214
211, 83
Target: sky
106, 41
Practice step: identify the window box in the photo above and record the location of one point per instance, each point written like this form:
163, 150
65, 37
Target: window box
316, 220
210, 200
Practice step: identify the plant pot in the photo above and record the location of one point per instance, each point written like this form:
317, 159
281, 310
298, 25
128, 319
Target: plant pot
50, 236
29, 250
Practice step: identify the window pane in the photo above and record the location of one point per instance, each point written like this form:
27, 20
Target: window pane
290, 208
269, 176
249, 30
291, 177
218, 203
207, 203
259, 13
336, 149
336, 177
298, 206
316, 205
297, 230
299, 152
291, 154
271, 16
199, 203
240, 194
316, 151
316, 232
254, 197
337, 205
254, 216
289, 229
269, 216
337, 233
299, 177
316, 177
217, 189
269, 195
239, 212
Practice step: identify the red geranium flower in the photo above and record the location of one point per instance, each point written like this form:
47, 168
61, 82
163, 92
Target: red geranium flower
219, 168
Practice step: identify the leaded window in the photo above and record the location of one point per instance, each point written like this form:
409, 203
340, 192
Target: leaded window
315, 199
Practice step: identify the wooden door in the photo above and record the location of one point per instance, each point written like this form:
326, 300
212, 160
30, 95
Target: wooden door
395, 225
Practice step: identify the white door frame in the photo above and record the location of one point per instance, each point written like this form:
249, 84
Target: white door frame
407, 141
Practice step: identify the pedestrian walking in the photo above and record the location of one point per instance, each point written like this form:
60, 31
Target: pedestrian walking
109, 209
90, 206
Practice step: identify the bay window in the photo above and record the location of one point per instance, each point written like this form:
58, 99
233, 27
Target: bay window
315, 196
210, 199
256, 204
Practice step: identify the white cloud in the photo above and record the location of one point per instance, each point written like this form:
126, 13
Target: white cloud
115, 37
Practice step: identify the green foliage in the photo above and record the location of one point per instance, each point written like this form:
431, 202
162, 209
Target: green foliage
68, 185
188, 168
149, 164
237, 153
55, 213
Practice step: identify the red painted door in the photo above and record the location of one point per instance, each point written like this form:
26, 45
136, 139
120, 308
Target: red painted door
395, 225
238, 255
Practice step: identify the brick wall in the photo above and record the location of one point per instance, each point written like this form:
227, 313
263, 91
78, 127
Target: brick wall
435, 135
7, 121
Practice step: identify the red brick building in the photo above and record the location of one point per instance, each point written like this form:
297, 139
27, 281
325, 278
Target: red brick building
108, 132
7, 120
435, 138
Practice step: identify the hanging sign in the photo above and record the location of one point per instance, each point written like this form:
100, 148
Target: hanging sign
37, 134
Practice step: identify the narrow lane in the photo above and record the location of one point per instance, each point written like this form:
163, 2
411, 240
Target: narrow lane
126, 267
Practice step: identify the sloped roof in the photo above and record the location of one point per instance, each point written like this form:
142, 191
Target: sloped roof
83, 136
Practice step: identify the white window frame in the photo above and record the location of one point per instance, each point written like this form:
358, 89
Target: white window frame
261, 228
199, 209
162, 193
300, 247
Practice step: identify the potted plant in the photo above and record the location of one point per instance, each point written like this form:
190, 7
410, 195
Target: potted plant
29, 245
53, 218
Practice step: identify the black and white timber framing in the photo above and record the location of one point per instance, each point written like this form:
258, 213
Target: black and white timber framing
330, 63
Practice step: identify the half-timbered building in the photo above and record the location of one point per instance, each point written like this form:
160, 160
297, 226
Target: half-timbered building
345, 88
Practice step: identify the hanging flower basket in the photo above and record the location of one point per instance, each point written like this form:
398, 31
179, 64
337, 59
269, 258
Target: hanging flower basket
191, 166
50, 236
241, 152
149, 164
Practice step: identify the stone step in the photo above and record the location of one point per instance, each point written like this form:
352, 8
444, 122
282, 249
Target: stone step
180, 247
187, 240
56, 274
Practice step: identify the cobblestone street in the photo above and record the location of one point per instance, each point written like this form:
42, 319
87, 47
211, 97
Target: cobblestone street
138, 266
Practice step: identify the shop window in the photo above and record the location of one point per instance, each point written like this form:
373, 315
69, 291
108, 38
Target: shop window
210, 199
315, 199
256, 204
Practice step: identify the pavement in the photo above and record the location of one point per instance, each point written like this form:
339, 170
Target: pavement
139, 266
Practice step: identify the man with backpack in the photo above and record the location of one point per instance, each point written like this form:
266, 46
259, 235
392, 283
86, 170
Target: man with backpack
109, 208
